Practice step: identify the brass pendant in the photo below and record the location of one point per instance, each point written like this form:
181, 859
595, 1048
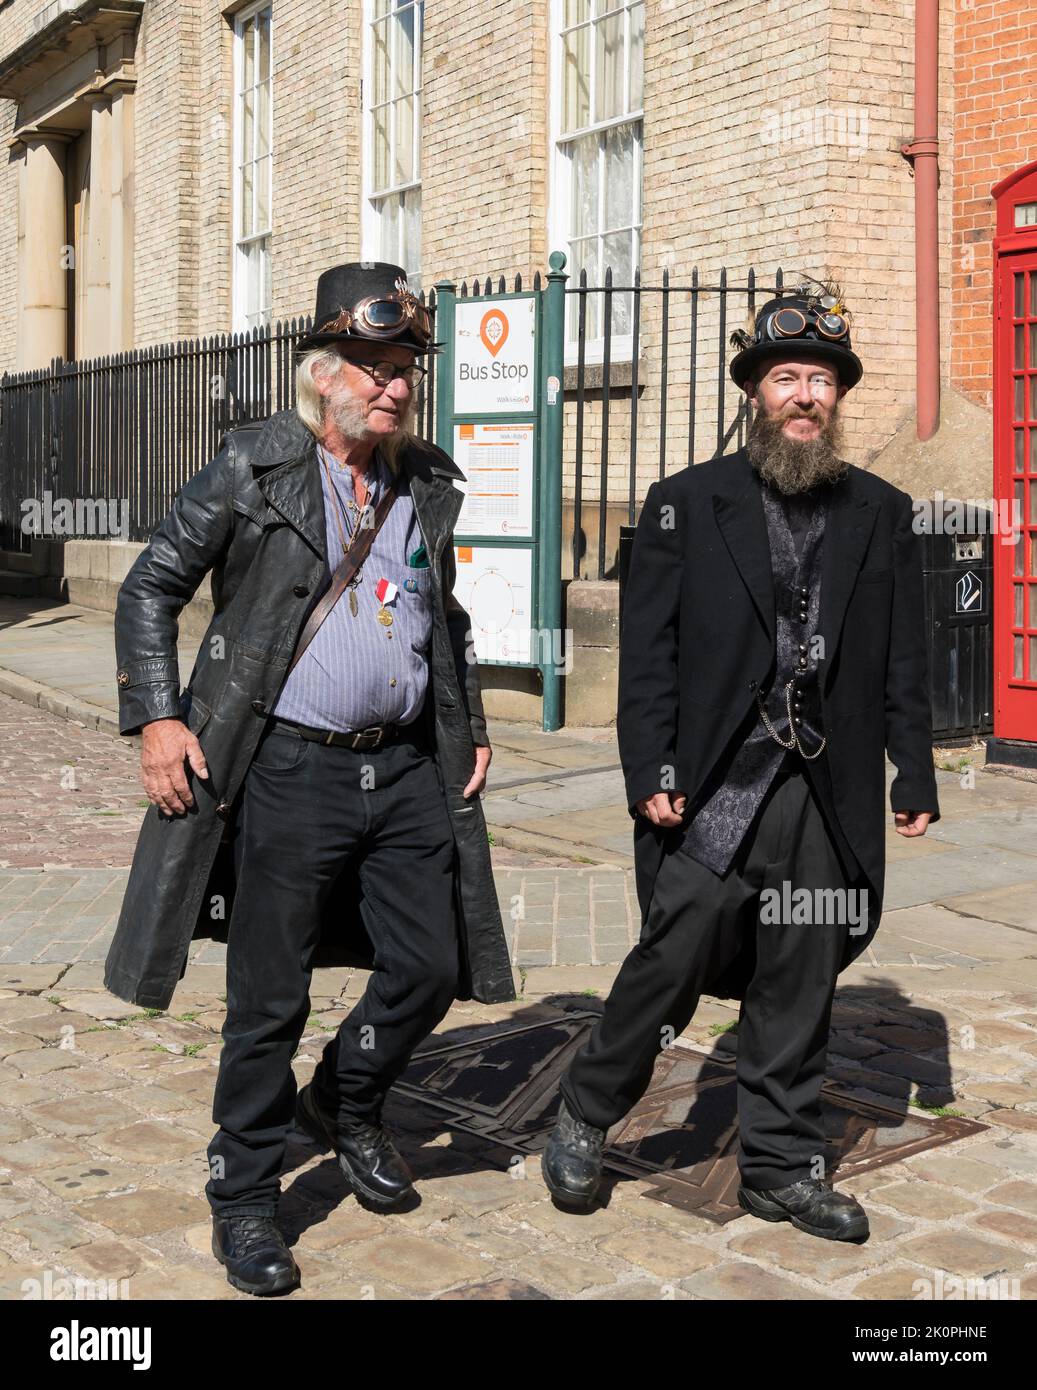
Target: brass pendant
352, 602
384, 616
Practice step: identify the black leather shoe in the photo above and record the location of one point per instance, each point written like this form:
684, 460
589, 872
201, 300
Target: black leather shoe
366, 1155
812, 1205
571, 1162
254, 1253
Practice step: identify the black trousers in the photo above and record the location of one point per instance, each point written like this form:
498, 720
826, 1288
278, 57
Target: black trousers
308, 810
694, 927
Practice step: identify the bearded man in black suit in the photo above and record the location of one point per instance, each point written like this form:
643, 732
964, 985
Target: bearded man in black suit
772, 651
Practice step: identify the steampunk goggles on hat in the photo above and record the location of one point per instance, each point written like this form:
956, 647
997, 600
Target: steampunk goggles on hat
819, 317
384, 317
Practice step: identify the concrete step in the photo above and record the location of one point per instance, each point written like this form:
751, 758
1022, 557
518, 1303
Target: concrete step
34, 561
14, 584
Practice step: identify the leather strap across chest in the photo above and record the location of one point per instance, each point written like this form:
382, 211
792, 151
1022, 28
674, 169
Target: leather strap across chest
351, 561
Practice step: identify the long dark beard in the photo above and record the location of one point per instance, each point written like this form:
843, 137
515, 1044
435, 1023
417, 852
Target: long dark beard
795, 465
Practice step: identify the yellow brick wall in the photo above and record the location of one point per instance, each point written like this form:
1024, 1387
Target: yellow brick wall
16, 23
735, 175
316, 77
484, 156
215, 153
167, 291
772, 136
316, 145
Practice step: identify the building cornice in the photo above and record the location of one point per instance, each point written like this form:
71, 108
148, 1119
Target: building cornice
64, 38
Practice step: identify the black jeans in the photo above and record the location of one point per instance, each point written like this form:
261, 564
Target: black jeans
694, 928
308, 810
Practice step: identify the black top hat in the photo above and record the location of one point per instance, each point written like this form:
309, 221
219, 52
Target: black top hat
369, 301
802, 323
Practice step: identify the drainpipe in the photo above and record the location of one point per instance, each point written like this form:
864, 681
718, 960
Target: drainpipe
922, 153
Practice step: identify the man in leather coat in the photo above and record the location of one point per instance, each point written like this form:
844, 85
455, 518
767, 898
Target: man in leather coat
335, 796
772, 650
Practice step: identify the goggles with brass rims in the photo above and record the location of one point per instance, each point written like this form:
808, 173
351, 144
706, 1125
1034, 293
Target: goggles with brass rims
819, 319
384, 316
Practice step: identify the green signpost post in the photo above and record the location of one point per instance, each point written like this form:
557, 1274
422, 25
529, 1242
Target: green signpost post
499, 415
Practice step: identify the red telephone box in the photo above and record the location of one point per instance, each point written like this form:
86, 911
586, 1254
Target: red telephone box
1015, 461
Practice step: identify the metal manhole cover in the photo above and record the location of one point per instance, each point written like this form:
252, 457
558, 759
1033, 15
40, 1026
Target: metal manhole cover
502, 1083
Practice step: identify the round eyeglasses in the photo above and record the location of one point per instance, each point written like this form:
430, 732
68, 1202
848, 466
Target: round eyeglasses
385, 372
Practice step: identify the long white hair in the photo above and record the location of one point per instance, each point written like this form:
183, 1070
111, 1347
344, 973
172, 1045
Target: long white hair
309, 403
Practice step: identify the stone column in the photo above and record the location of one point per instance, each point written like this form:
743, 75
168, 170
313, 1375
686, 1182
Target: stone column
42, 264
97, 248
120, 331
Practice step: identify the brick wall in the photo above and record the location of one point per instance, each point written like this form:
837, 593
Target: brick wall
995, 79
316, 67
316, 145
753, 159
215, 153
167, 288
16, 23
484, 154
781, 148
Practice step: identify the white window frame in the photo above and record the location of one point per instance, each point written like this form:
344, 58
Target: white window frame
239, 275
370, 215
561, 184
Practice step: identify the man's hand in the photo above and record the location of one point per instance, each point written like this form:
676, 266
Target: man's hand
664, 808
483, 754
910, 823
166, 743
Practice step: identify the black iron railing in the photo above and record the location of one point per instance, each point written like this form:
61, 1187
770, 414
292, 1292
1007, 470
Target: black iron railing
666, 402
136, 425
646, 390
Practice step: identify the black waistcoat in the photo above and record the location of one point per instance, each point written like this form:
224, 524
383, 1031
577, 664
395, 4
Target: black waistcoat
730, 797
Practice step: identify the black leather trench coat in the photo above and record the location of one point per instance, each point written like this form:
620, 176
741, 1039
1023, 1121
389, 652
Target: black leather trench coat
254, 517
698, 641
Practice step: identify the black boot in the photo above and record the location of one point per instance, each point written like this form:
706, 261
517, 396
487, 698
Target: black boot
254, 1252
571, 1162
812, 1205
366, 1155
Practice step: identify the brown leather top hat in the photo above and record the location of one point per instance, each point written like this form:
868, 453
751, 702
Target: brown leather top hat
369, 301
810, 321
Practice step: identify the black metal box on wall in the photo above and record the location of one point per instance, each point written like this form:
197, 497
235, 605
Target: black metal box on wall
957, 564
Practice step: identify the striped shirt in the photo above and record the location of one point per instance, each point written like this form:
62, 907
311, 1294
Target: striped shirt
357, 672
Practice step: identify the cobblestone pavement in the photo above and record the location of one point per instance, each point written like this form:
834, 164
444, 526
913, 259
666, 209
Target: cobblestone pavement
73, 805
105, 1109
105, 1116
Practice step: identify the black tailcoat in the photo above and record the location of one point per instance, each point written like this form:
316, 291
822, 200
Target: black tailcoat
698, 641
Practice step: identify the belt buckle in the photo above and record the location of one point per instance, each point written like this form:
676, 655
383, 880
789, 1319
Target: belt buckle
360, 738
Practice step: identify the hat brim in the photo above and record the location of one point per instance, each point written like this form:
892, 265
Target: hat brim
845, 361
313, 340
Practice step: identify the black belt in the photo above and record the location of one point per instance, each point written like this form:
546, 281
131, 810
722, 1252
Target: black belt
375, 736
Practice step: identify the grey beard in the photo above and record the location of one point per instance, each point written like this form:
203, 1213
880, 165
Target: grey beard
348, 415
795, 465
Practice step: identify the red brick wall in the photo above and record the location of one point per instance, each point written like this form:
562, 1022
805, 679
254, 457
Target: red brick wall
995, 131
